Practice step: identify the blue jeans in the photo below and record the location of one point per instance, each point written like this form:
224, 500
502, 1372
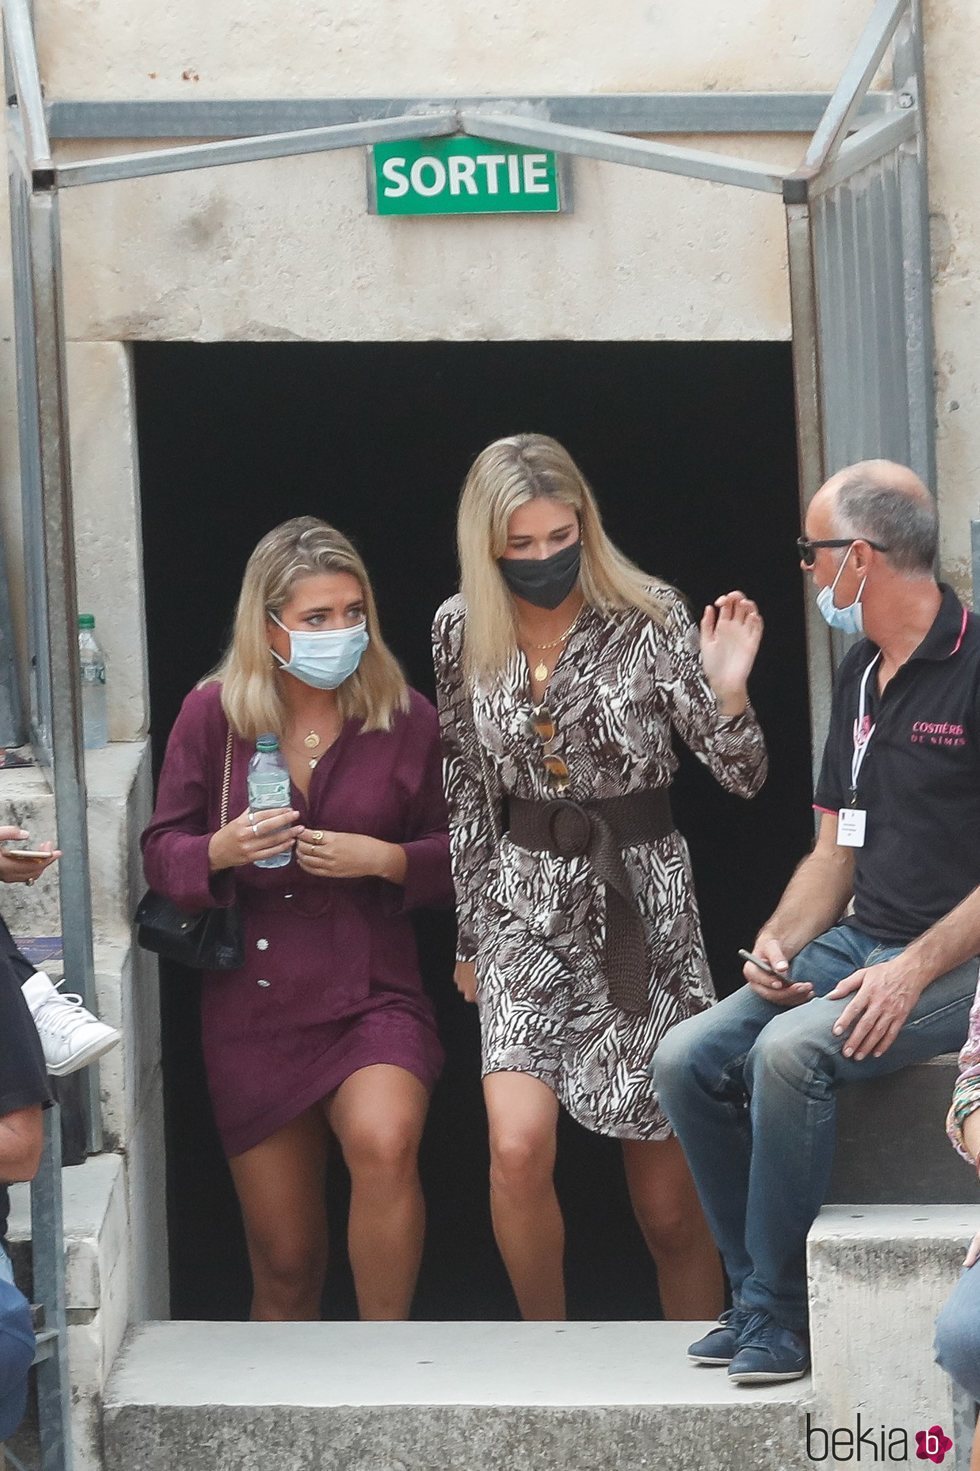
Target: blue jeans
750, 1087
958, 1333
16, 1350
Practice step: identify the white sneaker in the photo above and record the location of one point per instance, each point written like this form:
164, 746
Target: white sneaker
71, 1037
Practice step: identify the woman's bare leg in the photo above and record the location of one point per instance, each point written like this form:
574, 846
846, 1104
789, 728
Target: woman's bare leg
280, 1185
378, 1114
669, 1214
527, 1222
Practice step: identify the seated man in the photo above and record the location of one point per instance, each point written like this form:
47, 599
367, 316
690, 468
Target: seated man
750, 1085
71, 1036
23, 1093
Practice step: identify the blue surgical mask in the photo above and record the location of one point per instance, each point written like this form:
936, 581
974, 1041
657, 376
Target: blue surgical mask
849, 619
323, 660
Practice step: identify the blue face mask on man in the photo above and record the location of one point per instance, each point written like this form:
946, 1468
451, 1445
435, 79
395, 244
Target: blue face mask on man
325, 659
849, 619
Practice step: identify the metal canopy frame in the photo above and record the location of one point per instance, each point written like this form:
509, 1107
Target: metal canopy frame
856, 136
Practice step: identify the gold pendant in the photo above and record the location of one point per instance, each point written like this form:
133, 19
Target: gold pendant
541, 673
311, 741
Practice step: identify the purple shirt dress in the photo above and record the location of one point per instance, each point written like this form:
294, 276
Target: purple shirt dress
331, 978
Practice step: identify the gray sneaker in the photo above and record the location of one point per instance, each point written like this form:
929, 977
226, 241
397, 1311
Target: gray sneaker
768, 1353
720, 1344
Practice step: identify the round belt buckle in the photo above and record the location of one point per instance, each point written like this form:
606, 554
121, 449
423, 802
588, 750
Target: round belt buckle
570, 829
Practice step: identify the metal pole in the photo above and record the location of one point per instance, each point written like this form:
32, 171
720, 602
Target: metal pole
48, 1257
22, 55
667, 158
12, 732
872, 142
29, 442
251, 150
810, 449
917, 271
854, 83
62, 599
649, 113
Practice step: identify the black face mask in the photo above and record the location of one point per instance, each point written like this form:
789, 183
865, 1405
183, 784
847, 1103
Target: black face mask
545, 582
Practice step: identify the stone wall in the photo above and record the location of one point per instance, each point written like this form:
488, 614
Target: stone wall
286, 250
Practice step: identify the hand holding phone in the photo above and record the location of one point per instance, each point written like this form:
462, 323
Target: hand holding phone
23, 865
762, 964
790, 991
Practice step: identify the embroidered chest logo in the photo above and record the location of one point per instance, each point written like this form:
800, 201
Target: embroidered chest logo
938, 733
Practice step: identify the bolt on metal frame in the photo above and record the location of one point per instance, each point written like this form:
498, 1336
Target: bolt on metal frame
857, 239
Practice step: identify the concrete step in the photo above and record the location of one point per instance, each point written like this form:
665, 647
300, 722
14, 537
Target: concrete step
878, 1276
438, 1397
891, 1141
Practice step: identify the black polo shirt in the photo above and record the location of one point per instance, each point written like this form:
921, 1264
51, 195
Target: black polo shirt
920, 780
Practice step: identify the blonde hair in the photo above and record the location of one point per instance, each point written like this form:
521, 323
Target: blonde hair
250, 689
507, 474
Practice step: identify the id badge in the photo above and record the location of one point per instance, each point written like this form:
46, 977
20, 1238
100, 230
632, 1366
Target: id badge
851, 822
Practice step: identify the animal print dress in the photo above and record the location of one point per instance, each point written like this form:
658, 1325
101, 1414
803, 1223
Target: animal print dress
534, 923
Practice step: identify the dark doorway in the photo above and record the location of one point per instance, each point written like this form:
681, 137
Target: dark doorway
690, 448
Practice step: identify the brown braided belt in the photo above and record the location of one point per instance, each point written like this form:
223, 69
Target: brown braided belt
600, 830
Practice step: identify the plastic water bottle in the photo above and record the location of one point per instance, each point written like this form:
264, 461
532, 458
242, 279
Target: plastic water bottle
95, 716
268, 786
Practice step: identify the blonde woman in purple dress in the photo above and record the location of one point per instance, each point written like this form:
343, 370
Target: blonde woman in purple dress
325, 1030
562, 671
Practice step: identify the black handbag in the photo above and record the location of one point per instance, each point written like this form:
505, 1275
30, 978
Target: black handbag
208, 939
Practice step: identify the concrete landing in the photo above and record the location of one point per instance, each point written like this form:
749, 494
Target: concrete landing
438, 1397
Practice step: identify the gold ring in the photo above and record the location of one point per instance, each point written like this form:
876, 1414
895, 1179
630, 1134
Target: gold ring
317, 837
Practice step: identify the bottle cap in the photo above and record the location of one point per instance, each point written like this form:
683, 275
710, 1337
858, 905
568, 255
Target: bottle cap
86, 620
267, 743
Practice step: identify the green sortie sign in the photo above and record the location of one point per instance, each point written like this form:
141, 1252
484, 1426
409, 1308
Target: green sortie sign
463, 176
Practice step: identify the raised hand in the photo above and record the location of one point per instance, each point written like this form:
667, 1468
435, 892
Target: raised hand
731, 631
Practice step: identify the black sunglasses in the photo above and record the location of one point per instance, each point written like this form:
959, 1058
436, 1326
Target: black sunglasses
807, 548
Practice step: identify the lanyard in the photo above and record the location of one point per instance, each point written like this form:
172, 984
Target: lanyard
862, 737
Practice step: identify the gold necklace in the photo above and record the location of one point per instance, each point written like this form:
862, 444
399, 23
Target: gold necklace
541, 670
310, 743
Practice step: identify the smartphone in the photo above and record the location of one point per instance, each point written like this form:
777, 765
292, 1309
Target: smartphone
764, 965
27, 853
